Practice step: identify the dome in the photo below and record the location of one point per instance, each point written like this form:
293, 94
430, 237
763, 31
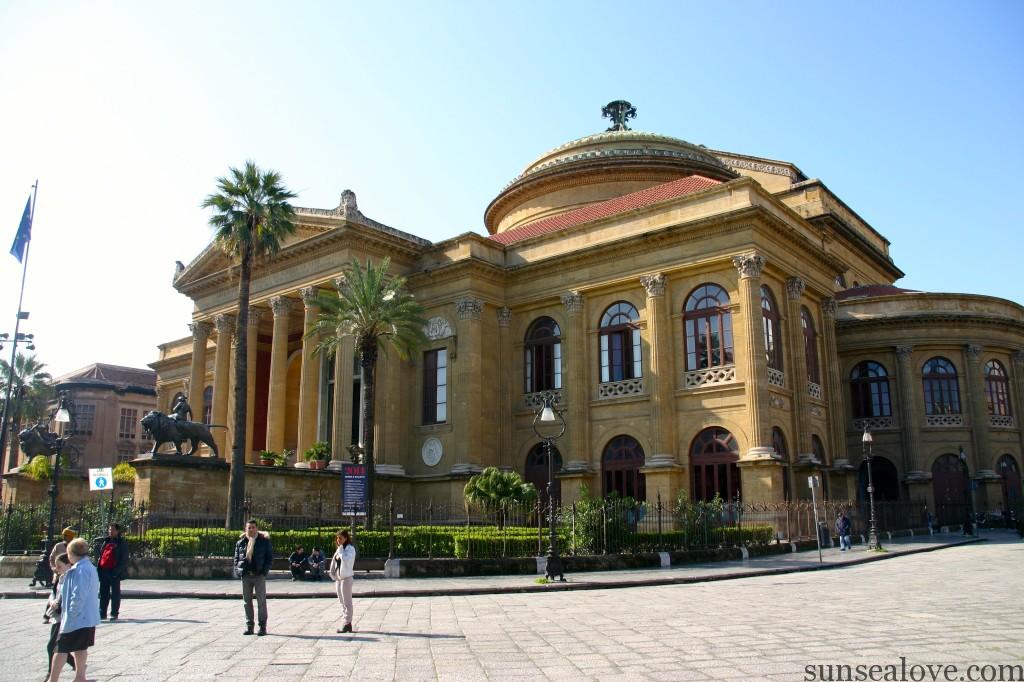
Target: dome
597, 168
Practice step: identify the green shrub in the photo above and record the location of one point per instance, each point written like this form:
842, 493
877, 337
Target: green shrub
124, 473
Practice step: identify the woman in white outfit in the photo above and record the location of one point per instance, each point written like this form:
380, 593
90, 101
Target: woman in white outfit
343, 566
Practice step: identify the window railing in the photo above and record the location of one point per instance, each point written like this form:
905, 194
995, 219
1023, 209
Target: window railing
814, 390
944, 420
1003, 421
619, 389
531, 400
776, 377
873, 423
711, 376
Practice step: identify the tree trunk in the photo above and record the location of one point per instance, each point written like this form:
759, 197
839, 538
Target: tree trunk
367, 371
236, 485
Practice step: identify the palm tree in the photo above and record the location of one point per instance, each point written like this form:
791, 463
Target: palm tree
252, 217
379, 312
30, 390
498, 490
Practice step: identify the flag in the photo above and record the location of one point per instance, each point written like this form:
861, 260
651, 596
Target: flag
24, 232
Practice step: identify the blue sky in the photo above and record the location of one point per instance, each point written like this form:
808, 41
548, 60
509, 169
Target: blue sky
127, 112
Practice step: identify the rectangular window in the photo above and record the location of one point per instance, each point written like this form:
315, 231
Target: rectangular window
129, 418
85, 418
435, 386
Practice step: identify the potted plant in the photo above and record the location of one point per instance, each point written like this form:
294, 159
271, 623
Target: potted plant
267, 457
317, 454
281, 459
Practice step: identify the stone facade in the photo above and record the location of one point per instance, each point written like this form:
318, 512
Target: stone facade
738, 288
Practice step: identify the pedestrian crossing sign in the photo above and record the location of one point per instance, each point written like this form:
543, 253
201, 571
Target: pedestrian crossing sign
101, 479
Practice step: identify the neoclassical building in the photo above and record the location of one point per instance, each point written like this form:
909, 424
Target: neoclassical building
710, 321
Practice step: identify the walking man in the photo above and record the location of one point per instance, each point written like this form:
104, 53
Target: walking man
253, 557
113, 565
843, 531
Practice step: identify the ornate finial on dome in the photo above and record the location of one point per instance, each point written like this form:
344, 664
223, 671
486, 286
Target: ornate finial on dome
619, 112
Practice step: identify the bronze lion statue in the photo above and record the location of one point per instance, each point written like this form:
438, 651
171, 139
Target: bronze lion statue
167, 430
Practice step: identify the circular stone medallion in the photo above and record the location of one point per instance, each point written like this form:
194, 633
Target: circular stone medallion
431, 451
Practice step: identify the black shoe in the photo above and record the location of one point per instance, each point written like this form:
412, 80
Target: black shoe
113, 617
262, 632
347, 628
103, 616
248, 630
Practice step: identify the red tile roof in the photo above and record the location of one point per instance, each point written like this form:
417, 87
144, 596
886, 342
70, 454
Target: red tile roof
628, 202
872, 290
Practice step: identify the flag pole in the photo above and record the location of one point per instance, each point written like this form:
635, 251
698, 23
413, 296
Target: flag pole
13, 460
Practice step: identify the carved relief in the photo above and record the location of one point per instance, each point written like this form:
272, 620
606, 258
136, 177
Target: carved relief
281, 306
974, 351
469, 308
573, 302
749, 265
904, 352
308, 295
437, 328
225, 324
795, 288
200, 330
654, 284
504, 316
829, 308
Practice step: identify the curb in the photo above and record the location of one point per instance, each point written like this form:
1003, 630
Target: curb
525, 589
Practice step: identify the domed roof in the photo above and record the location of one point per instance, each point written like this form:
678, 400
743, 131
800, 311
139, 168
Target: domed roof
597, 168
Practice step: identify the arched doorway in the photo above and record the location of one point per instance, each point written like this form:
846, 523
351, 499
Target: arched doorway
885, 477
713, 457
950, 485
620, 468
1010, 473
536, 472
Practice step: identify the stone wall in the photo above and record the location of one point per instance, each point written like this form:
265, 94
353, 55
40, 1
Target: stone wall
21, 489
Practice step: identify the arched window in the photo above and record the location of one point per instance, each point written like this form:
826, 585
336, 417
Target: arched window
869, 391
620, 343
779, 443
620, 466
997, 389
1007, 469
536, 472
941, 388
542, 356
770, 322
810, 345
708, 325
841, 281
713, 457
207, 404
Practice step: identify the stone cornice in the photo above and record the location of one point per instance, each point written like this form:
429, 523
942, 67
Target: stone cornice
918, 319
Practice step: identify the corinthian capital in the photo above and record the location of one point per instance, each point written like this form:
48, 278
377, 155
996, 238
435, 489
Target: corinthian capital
504, 316
829, 308
308, 295
469, 308
200, 330
749, 265
281, 306
973, 351
655, 284
225, 324
904, 352
795, 288
573, 302
254, 316
1017, 356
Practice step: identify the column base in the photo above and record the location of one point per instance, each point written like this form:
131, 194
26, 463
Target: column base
464, 469
761, 478
760, 454
389, 470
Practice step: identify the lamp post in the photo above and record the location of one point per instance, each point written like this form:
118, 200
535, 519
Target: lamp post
19, 337
970, 491
547, 415
61, 416
866, 442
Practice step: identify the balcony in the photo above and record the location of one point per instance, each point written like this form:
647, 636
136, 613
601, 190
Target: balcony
1001, 421
535, 400
726, 374
944, 420
620, 389
776, 378
814, 390
873, 423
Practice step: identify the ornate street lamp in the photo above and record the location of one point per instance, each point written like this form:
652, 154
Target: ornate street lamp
970, 492
553, 421
61, 416
865, 444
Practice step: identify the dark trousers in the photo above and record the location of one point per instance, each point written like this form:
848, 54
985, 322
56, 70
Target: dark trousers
51, 646
110, 593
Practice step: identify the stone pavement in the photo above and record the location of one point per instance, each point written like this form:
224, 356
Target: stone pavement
373, 584
957, 606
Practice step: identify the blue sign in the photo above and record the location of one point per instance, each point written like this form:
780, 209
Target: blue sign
353, 489
101, 482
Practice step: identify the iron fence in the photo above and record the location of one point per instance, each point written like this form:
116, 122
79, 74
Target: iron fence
426, 530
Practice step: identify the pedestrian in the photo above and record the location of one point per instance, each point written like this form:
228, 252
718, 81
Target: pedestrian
113, 566
67, 535
61, 565
253, 557
298, 563
343, 568
843, 531
79, 616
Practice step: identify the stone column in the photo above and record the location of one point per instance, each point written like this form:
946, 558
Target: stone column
251, 357
197, 376
576, 456
467, 413
225, 325
833, 383
800, 423
505, 426
1017, 387
343, 354
913, 466
309, 385
755, 362
981, 458
278, 389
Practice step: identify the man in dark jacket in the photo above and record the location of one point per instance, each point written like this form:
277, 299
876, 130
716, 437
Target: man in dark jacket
112, 568
253, 557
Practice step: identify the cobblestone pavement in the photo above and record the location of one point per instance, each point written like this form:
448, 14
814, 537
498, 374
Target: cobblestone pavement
957, 606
